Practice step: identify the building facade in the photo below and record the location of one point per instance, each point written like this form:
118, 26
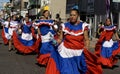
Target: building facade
58, 7
54, 6
19, 6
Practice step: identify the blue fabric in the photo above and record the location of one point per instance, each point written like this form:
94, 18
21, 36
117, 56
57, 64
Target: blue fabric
26, 29
107, 51
26, 43
49, 21
46, 47
111, 26
6, 29
74, 27
44, 29
74, 65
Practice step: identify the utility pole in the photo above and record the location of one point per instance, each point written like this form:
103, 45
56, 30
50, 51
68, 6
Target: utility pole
20, 6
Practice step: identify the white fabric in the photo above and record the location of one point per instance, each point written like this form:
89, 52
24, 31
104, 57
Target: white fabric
68, 53
8, 36
84, 25
48, 37
35, 25
6, 23
26, 36
10, 31
108, 43
13, 24
72, 33
46, 23
55, 26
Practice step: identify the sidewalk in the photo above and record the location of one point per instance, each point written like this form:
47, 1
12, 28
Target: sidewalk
92, 44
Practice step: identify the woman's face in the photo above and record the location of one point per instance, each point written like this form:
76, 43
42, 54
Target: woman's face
108, 22
14, 17
73, 16
46, 14
9, 19
26, 19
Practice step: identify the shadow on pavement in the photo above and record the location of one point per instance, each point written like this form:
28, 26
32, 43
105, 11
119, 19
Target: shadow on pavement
114, 66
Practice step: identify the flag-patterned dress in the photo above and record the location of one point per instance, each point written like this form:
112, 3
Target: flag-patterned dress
106, 48
71, 56
26, 43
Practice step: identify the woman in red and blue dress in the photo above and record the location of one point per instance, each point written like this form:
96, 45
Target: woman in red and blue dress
14, 25
25, 43
47, 36
5, 35
106, 48
72, 55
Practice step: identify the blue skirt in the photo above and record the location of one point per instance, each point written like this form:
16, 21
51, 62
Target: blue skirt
106, 52
73, 65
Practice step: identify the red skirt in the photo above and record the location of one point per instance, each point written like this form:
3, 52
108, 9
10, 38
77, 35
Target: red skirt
25, 49
92, 61
5, 40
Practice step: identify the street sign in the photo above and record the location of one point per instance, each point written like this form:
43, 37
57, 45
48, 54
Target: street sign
116, 0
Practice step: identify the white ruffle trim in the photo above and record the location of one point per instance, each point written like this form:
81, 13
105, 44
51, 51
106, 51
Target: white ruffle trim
48, 37
72, 33
26, 36
68, 53
108, 43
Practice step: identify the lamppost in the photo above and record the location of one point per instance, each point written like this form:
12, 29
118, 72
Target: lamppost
20, 6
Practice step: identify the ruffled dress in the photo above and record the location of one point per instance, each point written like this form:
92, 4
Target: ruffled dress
5, 35
47, 37
71, 57
106, 49
26, 43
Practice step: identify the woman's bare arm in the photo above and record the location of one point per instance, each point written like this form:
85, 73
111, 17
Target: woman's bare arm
60, 36
87, 42
116, 36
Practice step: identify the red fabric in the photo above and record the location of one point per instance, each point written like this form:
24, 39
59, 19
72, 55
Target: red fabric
28, 23
86, 28
51, 67
33, 34
108, 62
99, 44
74, 42
5, 40
25, 49
43, 59
93, 63
108, 35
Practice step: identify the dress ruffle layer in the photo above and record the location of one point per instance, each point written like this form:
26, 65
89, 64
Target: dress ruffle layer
56, 64
25, 49
5, 40
107, 56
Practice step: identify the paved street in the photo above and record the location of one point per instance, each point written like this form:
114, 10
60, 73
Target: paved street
12, 63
